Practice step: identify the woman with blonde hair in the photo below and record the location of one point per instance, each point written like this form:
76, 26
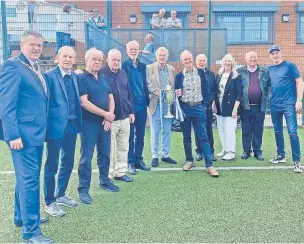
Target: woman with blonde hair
149, 49
227, 100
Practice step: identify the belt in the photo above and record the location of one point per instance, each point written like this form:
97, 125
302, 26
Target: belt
193, 104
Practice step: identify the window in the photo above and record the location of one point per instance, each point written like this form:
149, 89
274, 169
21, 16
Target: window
300, 23
246, 27
247, 23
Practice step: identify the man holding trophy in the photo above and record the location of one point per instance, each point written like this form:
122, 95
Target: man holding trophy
193, 91
160, 79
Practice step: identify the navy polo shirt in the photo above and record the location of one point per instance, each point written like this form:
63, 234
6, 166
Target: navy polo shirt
283, 85
98, 91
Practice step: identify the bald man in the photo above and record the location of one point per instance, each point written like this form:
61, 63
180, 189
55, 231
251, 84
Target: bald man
201, 62
64, 122
253, 106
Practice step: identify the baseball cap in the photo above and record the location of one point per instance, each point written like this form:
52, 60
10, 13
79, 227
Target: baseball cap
274, 48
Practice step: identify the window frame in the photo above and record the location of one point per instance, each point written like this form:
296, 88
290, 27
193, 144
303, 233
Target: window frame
243, 15
300, 39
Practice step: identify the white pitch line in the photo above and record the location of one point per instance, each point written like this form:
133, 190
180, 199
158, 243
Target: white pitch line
11, 172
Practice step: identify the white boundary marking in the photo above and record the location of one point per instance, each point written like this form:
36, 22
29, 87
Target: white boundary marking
11, 172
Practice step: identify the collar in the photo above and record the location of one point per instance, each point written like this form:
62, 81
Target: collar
63, 73
161, 67
30, 61
194, 70
250, 69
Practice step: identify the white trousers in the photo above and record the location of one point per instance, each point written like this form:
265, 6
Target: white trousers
226, 127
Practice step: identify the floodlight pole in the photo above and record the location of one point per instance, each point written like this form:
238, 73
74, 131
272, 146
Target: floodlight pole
4, 31
209, 33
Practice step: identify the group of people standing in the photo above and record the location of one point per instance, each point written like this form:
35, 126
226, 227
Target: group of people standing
108, 104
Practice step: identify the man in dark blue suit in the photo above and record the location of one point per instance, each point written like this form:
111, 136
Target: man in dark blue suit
23, 111
64, 122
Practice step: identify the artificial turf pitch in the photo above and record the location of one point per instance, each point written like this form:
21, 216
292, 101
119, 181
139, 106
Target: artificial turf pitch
170, 206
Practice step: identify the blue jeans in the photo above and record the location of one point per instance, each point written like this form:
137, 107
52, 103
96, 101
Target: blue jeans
93, 134
62, 39
292, 126
137, 135
209, 119
65, 145
155, 129
252, 129
196, 116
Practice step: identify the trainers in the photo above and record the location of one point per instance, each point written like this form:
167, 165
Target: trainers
278, 159
85, 197
187, 166
110, 187
297, 168
221, 154
66, 201
229, 156
54, 210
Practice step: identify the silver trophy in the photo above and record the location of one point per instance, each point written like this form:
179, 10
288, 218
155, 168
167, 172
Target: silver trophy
169, 99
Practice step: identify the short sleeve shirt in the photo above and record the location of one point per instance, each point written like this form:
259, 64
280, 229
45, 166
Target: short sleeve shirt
98, 91
283, 85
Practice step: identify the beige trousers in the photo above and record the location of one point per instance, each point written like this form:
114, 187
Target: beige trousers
120, 133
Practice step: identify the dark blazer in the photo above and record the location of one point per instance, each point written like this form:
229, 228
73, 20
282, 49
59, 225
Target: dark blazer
23, 103
1, 131
126, 66
232, 93
212, 84
59, 104
206, 91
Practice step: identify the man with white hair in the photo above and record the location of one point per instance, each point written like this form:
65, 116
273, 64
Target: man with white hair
136, 72
194, 92
124, 115
98, 115
158, 20
255, 81
160, 76
201, 62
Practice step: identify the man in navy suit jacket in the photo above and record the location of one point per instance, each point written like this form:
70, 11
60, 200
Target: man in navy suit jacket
23, 111
64, 122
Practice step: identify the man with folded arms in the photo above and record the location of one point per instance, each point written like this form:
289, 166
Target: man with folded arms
124, 115
193, 91
64, 122
98, 115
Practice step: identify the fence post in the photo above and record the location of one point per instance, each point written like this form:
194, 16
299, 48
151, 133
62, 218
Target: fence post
109, 24
5, 44
209, 33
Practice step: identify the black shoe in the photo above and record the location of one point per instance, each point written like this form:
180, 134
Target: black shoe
154, 162
42, 221
38, 239
169, 160
259, 157
109, 186
199, 157
141, 165
124, 178
85, 197
246, 155
213, 158
131, 169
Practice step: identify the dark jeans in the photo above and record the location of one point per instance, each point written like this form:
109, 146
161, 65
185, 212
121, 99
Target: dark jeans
195, 116
209, 118
62, 39
93, 134
65, 145
137, 135
292, 126
252, 129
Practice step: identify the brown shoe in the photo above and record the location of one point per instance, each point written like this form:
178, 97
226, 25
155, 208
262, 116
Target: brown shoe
212, 171
187, 166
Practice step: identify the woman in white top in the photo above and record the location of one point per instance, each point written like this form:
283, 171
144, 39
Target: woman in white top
227, 100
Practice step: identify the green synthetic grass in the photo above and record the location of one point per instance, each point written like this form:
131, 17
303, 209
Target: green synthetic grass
239, 206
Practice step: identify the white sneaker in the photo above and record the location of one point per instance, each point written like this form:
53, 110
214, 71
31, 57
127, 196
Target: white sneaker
229, 156
297, 168
221, 154
66, 201
54, 210
277, 160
